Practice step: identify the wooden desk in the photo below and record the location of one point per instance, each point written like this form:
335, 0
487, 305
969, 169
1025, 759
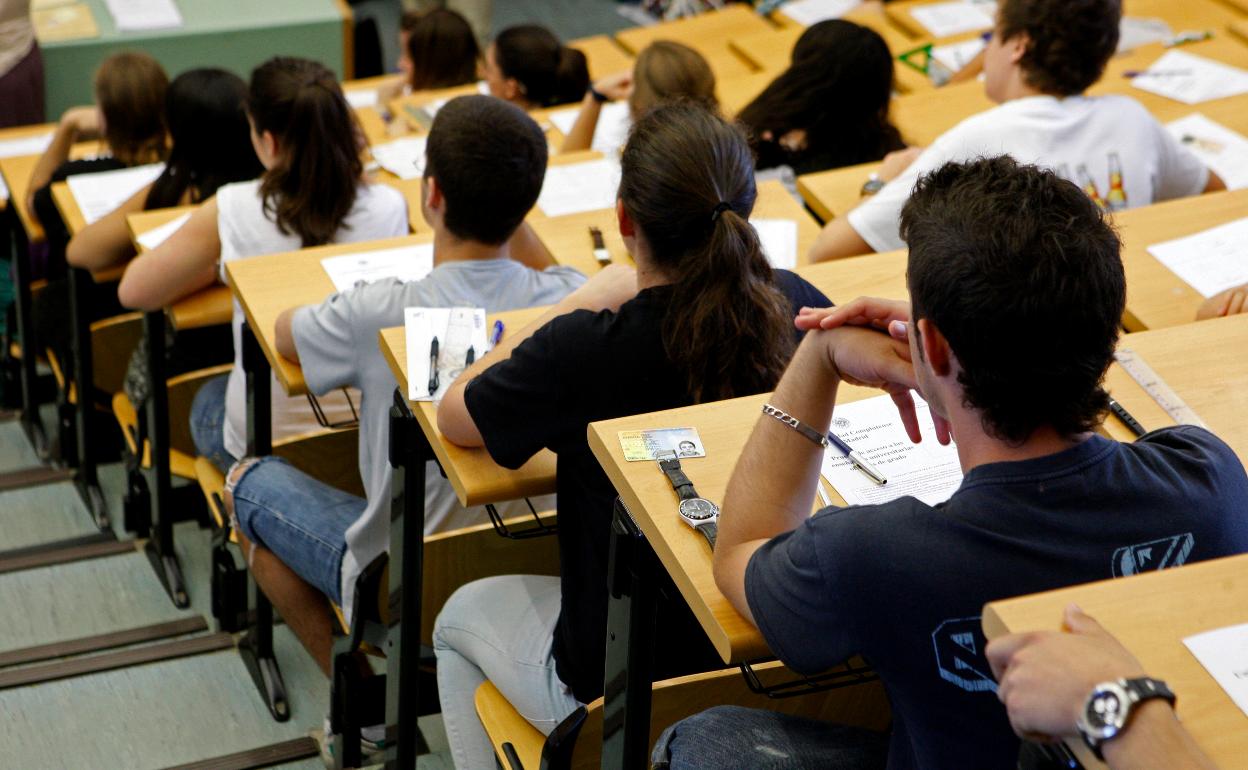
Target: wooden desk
407, 107
831, 194
265, 286
871, 275
736, 93
603, 55
209, 307
925, 115
899, 13
23, 132
1240, 28
71, 215
1150, 614
709, 34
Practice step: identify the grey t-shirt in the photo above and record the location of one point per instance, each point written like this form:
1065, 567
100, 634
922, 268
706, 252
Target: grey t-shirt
338, 347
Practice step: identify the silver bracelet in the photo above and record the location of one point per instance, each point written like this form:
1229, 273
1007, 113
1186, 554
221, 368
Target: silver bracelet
797, 425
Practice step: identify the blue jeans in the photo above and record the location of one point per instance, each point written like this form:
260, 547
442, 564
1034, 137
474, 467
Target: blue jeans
208, 423
301, 520
728, 737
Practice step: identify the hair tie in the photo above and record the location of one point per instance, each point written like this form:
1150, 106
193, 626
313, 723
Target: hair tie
720, 208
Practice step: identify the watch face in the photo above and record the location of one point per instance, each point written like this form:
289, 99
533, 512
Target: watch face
1106, 711
698, 509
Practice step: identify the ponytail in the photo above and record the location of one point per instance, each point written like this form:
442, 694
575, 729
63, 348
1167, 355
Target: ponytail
571, 76
548, 72
312, 187
687, 182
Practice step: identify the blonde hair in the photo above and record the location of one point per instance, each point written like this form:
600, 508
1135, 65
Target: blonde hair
130, 92
667, 71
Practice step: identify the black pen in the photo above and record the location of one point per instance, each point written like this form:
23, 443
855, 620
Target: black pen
433, 366
1122, 414
472, 356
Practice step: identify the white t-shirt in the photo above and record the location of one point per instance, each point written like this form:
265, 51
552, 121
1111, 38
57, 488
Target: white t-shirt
245, 231
1108, 145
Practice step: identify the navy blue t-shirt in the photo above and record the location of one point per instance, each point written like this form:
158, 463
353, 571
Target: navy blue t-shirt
904, 583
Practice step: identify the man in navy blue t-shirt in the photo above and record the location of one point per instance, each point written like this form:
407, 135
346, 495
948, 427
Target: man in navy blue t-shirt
1017, 289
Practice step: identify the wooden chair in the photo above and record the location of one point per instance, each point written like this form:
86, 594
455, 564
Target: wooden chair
576, 743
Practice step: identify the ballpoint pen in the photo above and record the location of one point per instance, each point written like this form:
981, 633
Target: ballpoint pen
471, 356
1121, 413
433, 366
497, 334
600, 246
858, 460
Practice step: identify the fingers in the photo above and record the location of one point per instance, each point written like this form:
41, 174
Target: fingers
905, 408
899, 330
1235, 304
944, 432
1079, 622
1000, 652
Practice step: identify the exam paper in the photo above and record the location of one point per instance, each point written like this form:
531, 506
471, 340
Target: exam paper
955, 56
456, 329
614, 121
1210, 261
100, 193
779, 239
810, 12
1218, 147
31, 145
577, 187
954, 18
1134, 32
1224, 654
132, 15
362, 97
405, 158
1191, 79
158, 235
406, 263
927, 471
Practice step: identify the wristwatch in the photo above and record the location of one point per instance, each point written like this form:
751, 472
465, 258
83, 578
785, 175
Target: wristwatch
1108, 708
872, 186
697, 512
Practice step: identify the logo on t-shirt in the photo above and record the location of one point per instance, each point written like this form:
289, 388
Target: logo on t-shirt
1153, 555
960, 657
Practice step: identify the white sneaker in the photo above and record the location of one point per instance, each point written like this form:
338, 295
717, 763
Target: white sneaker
372, 744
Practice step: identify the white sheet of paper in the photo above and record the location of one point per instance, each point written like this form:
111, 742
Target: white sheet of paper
28, 145
1224, 654
927, 471
1221, 149
779, 239
133, 15
955, 56
405, 158
954, 18
810, 12
406, 263
578, 187
610, 134
1134, 32
1210, 261
1191, 79
99, 193
456, 330
158, 235
363, 97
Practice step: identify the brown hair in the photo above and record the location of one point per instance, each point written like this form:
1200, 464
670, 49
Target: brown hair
666, 70
549, 73
130, 91
687, 181
442, 48
1069, 41
312, 187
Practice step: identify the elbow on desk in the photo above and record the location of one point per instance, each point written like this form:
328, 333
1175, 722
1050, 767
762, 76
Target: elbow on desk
454, 422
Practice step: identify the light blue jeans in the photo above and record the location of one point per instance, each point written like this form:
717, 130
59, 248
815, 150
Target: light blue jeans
208, 423
501, 629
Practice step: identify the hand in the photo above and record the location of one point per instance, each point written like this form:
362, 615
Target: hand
609, 288
616, 87
83, 120
874, 360
1045, 677
898, 161
1229, 302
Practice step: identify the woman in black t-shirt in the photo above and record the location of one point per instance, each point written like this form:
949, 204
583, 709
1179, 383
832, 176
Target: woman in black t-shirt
703, 318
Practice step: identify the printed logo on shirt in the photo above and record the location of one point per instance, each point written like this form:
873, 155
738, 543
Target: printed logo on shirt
1153, 555
1115, 197
960, 660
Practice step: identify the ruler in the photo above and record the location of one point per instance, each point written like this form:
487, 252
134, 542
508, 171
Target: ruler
1157, 388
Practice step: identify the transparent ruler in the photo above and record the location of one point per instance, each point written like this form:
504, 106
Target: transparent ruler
1157, 388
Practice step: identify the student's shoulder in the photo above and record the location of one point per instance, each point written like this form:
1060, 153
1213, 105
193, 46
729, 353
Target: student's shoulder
231, 197
374, 195
1189, 445
799, 291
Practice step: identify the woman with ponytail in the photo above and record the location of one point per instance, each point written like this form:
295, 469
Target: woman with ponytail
704, 317
312, 192
529, 67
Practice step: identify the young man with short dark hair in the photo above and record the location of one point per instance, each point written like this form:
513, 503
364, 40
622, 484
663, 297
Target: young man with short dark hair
1042, 57
1017, 288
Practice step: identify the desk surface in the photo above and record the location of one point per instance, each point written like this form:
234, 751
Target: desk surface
267, 285
23, 132
1150, 614
708, 33
475, 477
17, 170
831, 194
604, 56
209, 307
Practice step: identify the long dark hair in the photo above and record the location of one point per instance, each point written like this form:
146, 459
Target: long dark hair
312, 187
687, 182
837, 90
549, 72
443, 50
211, 141
130, 91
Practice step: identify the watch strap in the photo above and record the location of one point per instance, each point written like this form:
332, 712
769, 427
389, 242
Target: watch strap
709, 530
1140, 689
680, 482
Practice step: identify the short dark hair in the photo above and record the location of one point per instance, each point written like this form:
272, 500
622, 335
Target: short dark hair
489, 158
1071, 41
1021, 273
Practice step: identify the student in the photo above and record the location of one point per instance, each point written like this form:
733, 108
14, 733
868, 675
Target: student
1042, 56
1047, 679
528, 66
21, 67
830, 107
312, 193
1016, 296
437, 50
704, 318
128, 115
664, 71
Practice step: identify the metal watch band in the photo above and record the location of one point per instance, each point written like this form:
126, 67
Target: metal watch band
709, 530
680, 482
1140, 689
797, 425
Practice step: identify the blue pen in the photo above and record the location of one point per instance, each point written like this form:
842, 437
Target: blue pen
858, 460
497, 334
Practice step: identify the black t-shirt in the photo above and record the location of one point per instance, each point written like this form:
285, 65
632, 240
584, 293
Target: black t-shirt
580, 368
904, 583
50, 218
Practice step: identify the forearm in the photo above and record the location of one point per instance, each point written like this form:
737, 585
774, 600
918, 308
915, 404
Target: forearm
527, 249
581, 137
1155, 739
284, 335
838, 239
104, 243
